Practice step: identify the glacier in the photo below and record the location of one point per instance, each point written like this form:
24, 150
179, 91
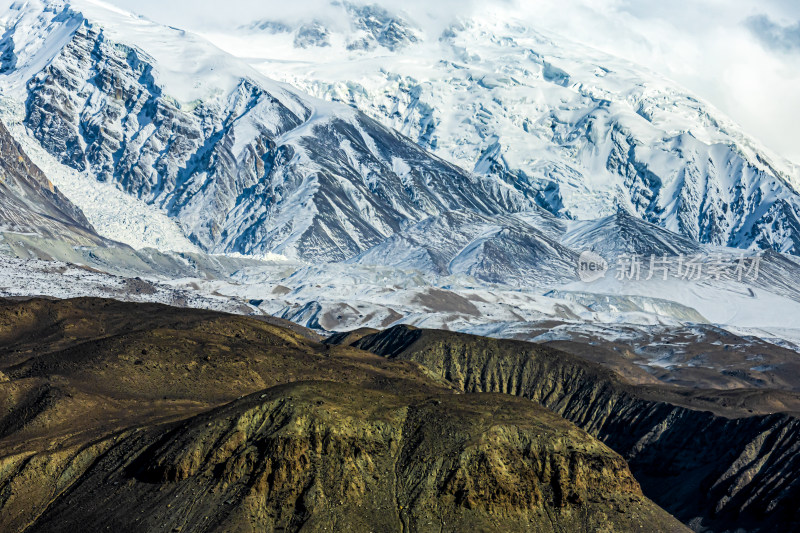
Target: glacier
242, 163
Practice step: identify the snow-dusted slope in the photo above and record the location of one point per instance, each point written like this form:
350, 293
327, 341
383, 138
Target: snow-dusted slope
30, 204
622, 234
498, 249
576, 131
54, 279
244, 164
113, 213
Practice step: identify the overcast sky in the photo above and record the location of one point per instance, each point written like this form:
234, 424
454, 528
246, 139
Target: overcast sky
741, 55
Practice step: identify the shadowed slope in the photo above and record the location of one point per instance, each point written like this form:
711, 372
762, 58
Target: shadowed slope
31, 204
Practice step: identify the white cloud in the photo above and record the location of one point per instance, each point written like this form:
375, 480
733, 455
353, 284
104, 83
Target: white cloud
707, 46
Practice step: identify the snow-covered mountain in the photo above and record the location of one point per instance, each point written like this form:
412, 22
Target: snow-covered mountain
246, 164
158, 127
243, 163
579, 133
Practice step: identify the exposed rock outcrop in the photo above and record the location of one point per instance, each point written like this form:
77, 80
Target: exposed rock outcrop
332, 457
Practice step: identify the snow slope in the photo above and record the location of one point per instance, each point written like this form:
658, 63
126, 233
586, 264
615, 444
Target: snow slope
31, 205
498, 249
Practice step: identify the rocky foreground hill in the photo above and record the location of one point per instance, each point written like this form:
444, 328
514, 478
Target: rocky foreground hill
708, 456
142, 417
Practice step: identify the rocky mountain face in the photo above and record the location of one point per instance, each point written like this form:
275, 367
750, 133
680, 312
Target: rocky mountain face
245, 164
149, 418
703, 458
577, 132
252, 166
31, 204
374, 27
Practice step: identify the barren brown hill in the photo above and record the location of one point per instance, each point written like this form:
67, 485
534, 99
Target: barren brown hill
132, 417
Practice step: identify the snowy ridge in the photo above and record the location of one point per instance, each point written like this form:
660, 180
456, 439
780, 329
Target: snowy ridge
622, 234
573, 130
498, 249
